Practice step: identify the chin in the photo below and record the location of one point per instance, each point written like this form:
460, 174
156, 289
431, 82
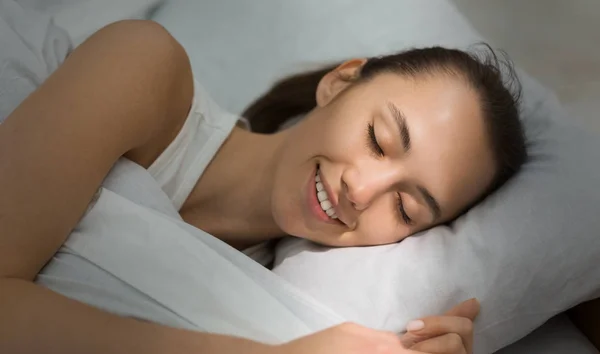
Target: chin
293, 226
326, 239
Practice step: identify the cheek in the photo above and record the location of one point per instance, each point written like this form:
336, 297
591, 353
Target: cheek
339, 133
288, 215
379, 226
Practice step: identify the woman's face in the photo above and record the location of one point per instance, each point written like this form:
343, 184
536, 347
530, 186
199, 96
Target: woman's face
382, 159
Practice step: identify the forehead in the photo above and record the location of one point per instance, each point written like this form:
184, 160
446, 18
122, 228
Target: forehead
450, 154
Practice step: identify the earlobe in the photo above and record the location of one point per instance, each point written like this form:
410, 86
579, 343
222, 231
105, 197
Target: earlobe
337, 80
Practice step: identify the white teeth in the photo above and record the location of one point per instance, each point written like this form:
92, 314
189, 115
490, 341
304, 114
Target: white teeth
326, 205
324, 198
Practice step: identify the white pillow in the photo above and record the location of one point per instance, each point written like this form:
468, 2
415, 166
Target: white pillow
527, 253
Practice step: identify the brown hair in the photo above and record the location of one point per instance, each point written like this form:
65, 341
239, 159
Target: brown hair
482, 70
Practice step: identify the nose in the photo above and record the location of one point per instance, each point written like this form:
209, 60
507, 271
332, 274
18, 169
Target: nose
362, 185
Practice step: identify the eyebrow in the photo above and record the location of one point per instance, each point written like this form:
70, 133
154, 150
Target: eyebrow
400, 119
434, 206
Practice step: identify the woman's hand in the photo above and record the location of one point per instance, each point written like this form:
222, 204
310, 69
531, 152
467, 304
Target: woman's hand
448, 334
347, 338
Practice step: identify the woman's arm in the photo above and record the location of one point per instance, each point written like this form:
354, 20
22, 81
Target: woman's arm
37, 320
127, 90
116, 94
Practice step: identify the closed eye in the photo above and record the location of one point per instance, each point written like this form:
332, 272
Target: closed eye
372, 140
402, 212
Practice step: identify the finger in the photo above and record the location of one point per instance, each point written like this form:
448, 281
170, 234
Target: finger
410, 351
390, 338
468, 309
457, 320
431, 327
450, 343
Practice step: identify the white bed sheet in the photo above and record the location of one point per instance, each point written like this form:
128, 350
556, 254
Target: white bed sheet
39, 40
37, 35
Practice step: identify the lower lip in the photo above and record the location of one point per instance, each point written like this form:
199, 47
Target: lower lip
313, 202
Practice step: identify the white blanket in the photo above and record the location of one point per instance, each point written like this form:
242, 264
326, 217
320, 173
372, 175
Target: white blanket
134, 256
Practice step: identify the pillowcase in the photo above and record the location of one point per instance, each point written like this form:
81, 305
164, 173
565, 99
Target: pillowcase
239, 48
527, 253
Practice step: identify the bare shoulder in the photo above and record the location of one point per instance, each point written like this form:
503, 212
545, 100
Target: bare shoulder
125, 91
150, 48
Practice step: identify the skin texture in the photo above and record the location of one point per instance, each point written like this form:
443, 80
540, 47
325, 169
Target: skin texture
449, 156
126, 92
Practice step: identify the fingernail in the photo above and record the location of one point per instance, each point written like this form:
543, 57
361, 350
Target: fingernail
415, 326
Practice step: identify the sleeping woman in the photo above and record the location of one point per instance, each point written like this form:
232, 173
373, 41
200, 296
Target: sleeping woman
389, 146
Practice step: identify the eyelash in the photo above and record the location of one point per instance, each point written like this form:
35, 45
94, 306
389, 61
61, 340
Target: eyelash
402, 212
373, 144
376, 148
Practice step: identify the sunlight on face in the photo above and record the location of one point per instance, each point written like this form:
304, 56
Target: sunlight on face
394, 155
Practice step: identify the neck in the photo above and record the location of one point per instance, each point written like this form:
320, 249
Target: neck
232, 199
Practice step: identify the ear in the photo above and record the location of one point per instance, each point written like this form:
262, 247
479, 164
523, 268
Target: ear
337, 80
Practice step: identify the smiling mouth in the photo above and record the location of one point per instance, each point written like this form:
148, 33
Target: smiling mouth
323, 197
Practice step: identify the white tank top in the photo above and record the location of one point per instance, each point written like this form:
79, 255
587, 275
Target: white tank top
181, 165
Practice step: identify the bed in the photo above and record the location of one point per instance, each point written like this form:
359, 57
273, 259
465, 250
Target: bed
62, 24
